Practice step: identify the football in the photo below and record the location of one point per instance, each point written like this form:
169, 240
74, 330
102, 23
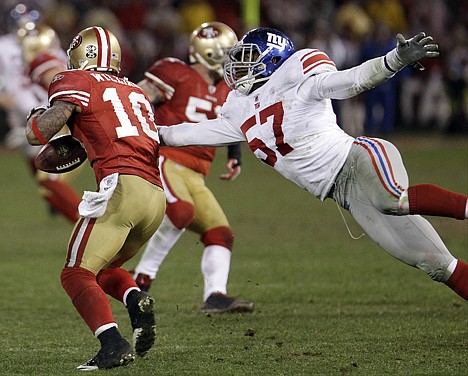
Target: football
61, 154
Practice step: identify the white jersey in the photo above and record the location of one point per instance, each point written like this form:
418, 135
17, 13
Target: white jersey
13, 79
18, 87
289, 122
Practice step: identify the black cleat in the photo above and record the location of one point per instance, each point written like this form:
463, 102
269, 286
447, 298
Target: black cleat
118, 355
140, 306
220, 303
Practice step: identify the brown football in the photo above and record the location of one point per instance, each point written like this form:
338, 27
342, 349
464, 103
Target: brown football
61, 154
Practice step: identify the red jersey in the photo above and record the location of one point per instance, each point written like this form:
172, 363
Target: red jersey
43, 63
116, 123
189, 98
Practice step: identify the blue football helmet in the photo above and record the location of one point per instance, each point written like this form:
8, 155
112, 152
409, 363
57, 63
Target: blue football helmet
256, 57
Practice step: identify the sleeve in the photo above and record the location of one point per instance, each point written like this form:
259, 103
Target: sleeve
347, 83
215, 132
42, 64
165, 75
315, 62
70, 86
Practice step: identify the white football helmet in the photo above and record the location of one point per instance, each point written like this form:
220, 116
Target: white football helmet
209, 44
95, 48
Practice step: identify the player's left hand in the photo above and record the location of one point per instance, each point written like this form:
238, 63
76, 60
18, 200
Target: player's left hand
233, 170
412, 50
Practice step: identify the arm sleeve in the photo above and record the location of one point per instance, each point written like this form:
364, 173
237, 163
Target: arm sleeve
346, 83
234, 152
215, 132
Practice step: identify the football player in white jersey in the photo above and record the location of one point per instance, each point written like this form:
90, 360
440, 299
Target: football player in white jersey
281, 106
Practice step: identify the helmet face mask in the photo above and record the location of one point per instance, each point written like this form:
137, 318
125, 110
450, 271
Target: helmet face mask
256, 57
209, 44
95, 48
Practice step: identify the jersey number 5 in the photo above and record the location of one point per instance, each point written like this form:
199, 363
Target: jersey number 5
126, 127
256, 145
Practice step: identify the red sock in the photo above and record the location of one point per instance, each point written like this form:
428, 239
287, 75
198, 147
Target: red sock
62, 197
115, 281
458, 281
429, 199
88, 298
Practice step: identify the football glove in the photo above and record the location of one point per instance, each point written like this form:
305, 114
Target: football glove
233, 168
409, 52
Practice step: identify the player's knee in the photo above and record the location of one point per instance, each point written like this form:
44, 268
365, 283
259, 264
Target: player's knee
74, 279
389, 206
222, 236
180, 213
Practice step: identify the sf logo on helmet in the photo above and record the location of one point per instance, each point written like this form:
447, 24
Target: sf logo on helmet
276, 41
76, 42
208, 32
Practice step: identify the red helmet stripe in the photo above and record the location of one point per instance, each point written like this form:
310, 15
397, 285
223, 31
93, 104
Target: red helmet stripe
104, 47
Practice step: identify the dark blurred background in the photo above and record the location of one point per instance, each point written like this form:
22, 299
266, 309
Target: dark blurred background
350, 32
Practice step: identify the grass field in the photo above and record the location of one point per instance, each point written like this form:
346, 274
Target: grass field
325, 304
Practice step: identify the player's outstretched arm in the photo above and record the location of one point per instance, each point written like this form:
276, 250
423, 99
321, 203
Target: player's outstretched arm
353, 81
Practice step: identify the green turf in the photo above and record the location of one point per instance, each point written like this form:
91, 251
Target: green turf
325, 304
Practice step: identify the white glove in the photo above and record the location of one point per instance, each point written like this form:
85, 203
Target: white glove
233, 168
409, 52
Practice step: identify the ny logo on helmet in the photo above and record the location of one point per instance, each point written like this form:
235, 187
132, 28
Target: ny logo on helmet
276, 41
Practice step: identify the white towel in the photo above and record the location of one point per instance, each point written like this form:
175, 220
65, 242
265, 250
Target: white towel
94, 204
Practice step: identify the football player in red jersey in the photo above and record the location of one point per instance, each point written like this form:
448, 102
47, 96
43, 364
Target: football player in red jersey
43, 58
193, 93
113, 118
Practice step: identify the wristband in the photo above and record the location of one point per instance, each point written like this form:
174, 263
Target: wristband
392, 62
37, 132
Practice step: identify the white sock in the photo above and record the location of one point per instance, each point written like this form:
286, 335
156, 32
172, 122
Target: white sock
158, 247
466, 209
215, 265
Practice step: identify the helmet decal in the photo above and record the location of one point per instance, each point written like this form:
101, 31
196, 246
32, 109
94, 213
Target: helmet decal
208, 32
91, 51
76, 42
276, 41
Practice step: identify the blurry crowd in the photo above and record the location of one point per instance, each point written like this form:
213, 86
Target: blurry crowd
349, 31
